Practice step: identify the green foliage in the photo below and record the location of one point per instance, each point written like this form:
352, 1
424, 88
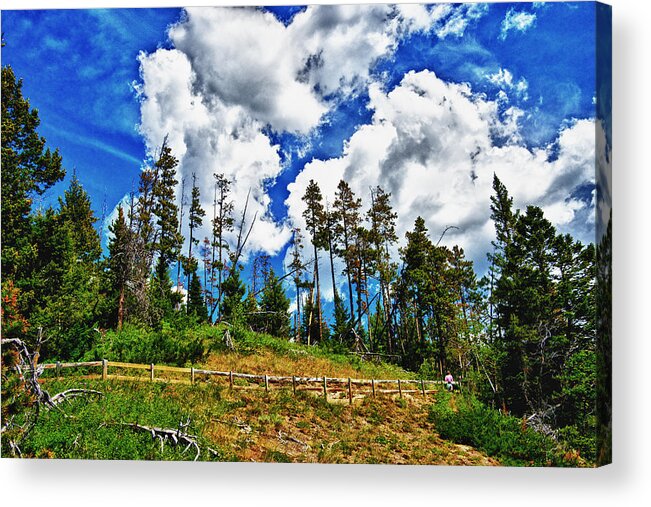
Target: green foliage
65, 296
604, 277
233, 291
275, 307
28, 169
97, 431
429, 370
347, 221
166, 211
76, 212
19, 410
196, 304
503, 436
169, 345
119, 266
544, 301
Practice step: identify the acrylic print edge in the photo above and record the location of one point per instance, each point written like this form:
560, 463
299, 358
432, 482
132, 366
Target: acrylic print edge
603, 229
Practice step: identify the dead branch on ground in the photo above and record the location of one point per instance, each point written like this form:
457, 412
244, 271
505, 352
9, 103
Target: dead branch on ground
176, 437
284, 438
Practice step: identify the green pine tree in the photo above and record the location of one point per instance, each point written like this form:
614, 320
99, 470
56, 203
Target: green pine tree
28, 170
314, 215
275, 307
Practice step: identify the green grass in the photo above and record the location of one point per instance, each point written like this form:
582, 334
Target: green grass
93, 428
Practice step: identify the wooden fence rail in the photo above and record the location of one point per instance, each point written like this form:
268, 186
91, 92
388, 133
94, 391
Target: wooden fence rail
325, 384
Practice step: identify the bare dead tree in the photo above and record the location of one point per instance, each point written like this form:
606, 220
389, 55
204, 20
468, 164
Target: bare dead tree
444, 231
17, 425
241, 241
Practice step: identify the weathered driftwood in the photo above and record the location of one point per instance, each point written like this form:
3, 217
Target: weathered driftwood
177, 437
72, 393
284, 438
245, 428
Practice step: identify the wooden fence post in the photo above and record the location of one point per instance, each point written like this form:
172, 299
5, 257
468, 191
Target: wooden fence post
266, 383
422, 386
104, 369
58, 369
192, 375
294, 384
373, 387
325, 388
230, 379
151, 372
399, 388
350, 391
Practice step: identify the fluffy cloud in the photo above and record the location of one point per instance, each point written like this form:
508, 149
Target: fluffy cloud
519, 21
432, 145
243, 57
456, 24
234, 74
504, 80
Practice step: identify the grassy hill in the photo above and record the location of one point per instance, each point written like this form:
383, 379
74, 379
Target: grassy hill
251, 424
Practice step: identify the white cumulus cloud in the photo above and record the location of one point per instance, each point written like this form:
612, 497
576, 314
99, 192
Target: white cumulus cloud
233, 74
504, 80
432, 145
519, 21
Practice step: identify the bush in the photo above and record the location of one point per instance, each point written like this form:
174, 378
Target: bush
502, 436
167, 346
429, 370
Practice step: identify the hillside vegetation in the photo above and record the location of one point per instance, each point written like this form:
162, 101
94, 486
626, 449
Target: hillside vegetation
249, 424
253, 425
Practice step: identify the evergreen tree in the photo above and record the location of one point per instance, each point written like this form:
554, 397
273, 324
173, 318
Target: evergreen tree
181, 214
233, 292
341, 326
195, 217
346, 208
196, 306
275, 307
67, 279
119, 263
75, 209
222, 224
524, 295
603, 297
329, 244
314, 215
297, 269
142, 216
28, 170
382, 234
415, 277
168, 241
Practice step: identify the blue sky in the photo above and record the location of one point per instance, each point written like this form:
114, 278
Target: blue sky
427, 101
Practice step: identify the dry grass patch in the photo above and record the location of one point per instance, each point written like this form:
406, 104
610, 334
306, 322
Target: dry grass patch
307, 429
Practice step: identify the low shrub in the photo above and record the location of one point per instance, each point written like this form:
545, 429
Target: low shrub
466, 420
166, 346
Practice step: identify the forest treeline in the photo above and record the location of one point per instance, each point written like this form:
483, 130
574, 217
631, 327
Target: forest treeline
522, 336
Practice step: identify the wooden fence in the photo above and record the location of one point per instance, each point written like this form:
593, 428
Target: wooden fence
326, 385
